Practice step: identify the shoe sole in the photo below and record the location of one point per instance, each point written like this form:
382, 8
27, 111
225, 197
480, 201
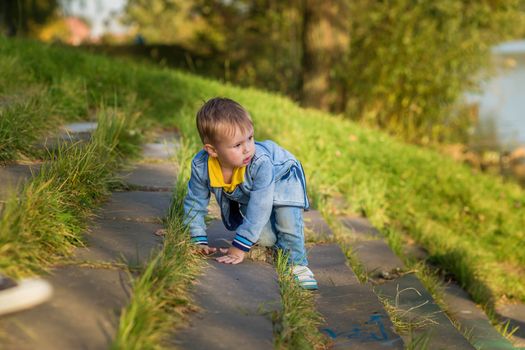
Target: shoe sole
28, 293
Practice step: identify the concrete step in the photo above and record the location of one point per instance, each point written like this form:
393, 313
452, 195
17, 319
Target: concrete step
68, 134
90, 292
472, 319
13, 176
151, 177
316, 229
236, 303
515, 315
82, 314
415, 302
416, 305
139, 206
118, 241
354, 316
371, 249
163, 147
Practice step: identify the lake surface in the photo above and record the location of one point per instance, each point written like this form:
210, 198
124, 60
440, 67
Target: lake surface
502, 101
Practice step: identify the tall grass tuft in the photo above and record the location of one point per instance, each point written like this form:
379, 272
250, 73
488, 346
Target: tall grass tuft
160, 293
44, 221
22, 123
296, 325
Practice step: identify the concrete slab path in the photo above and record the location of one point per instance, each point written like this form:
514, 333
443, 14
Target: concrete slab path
90, 292
82, 314
355, 318
151, 176
409, 295
236, 304
13, 176
515, 315
472, 318
371, 249
386, 269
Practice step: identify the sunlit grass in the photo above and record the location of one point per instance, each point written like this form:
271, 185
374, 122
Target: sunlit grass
296, 325
472, 225
22, 123
160, 294
43, 222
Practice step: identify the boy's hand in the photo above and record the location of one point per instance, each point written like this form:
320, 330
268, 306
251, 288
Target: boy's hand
233, 256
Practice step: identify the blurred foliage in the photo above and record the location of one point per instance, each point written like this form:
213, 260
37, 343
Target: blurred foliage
255, 42
25, 17
403, 67
54, 30
409, 62
400, 65
170, 21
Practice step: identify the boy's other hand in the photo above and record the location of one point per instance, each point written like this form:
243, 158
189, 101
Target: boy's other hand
161, 232
205, 250
233, 256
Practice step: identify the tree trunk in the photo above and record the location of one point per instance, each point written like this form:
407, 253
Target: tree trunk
324, 40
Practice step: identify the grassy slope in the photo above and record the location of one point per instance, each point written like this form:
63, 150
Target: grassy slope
472, 224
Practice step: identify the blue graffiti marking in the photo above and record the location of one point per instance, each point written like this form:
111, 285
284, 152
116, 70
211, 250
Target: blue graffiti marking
377, 319
357, 332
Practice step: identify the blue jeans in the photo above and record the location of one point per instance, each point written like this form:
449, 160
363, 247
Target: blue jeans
285, 230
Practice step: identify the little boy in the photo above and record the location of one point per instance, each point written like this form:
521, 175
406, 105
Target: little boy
259, 186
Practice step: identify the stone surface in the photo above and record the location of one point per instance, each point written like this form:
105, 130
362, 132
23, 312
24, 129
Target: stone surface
82, 314
13, 176
515, 313
80, 127
354, 316
87, 301
151, 177
361, 228
70, 134
472, 319
120, 241
236, 302
137, 206
316, 229
415, 302
371, 249
371, 246
163, 151
218, 236
376, 257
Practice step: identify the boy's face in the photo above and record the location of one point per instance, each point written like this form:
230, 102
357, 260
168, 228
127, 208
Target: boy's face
233, 151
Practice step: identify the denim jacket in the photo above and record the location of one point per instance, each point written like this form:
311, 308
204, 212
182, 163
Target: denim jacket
274, 177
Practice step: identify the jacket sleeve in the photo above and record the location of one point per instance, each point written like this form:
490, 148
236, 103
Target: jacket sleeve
196, 206
259, 207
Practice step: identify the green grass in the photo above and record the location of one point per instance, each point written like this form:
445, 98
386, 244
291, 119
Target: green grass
160, 295
296, 325
44, 222
473, 225
27, 110
22, 123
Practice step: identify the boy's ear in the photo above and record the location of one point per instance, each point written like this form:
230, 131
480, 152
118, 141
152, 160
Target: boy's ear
211, 150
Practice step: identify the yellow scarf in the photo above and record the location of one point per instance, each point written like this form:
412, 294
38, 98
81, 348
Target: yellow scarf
216, 178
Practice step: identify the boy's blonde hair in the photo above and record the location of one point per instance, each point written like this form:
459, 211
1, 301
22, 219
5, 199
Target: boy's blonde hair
221, 116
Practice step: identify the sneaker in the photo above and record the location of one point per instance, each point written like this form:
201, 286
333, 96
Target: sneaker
24, 294
305, 277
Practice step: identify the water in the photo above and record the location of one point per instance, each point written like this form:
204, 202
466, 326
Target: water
502, 101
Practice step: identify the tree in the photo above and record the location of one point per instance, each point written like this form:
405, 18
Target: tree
167, 21
25, 17
410, 61
324, 39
